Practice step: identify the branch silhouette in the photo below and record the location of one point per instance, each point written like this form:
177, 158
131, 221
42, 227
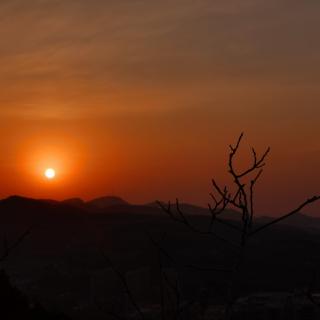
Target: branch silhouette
297, 210
124, 282
242, 199
9, 248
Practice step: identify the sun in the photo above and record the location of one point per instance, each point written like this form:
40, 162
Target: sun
50, 173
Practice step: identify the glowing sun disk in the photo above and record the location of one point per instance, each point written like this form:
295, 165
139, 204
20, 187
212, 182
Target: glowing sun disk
50, 173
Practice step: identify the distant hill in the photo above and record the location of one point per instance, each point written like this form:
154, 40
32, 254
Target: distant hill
114, 205
68, 237
191, 209
75, 202
106, 202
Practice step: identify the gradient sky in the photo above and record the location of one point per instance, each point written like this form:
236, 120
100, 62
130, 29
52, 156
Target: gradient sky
141, 98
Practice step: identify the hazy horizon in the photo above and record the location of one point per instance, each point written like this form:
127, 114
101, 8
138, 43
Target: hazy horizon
142, 98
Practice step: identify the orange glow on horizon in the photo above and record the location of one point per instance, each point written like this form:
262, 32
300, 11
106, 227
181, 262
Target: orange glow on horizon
147, 108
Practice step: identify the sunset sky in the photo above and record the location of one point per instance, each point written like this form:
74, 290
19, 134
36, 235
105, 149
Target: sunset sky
141, 98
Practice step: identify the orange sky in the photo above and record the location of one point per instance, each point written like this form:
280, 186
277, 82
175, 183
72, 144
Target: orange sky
142, 98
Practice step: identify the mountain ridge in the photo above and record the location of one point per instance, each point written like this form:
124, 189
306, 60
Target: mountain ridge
117, 205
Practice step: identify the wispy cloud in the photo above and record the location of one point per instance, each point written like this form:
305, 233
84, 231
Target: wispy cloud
86, 54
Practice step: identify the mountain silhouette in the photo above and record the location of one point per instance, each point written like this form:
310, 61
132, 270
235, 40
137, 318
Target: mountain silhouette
66, 237
107, 201
113, 204
75, 202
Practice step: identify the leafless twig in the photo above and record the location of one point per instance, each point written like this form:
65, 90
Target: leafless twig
298, 209
124, 282
9, 248
182, 218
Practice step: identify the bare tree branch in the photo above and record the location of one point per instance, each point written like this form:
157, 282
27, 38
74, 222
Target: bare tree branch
243, 200
181, 218
298, 209
228, 224
9, 248
124, 282
192, 266
258, 163
251, 196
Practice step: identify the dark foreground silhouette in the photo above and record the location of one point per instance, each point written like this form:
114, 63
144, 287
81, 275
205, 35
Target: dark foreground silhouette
15, 305
59, 264
104, 264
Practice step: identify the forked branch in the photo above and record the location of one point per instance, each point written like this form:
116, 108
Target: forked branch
182, 218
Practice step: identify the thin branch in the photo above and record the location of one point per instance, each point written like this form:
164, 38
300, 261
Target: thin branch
252, 184
124, 282
175, 288
257, 163
225, 196
191, 266
9, 248
234, 149
299, 208
228, 224
181, 218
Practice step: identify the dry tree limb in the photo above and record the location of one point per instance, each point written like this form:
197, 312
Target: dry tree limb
166, 254
257, 162
124, 282
298, 209
227, 223
181, 218
181, 306
9, 248
164, 278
